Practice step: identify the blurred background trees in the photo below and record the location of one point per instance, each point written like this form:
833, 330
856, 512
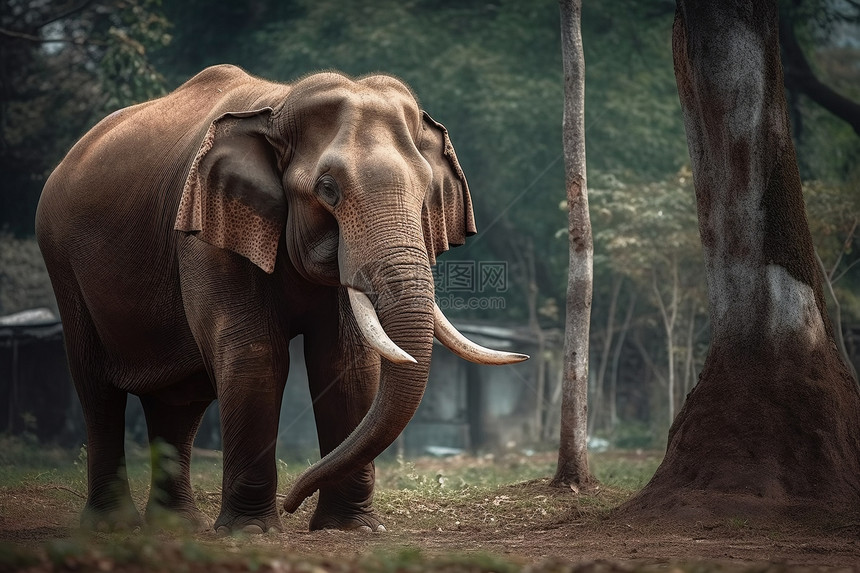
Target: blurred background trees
491, 72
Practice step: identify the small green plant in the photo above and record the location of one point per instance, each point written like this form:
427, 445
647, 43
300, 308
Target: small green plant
81, 462
64, 552
394, 561
15, 557
408, 559
165, 467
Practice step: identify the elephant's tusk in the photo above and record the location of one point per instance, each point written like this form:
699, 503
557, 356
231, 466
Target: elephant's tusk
448, 335
369, 325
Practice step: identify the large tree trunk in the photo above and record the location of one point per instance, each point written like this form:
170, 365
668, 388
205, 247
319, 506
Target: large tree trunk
774, 422
572, 454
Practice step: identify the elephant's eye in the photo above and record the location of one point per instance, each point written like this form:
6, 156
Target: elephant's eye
327, 191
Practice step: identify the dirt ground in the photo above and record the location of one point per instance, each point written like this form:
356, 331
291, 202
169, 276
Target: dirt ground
572, 536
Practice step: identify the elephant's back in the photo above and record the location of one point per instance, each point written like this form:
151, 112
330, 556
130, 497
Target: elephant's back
127, 173
105, 220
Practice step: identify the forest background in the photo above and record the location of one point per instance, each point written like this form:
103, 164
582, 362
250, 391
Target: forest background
491, 72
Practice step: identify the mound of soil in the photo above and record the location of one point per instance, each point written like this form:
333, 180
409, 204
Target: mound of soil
773, 440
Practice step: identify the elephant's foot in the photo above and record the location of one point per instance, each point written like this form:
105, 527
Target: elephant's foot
229, 523
348, 504
345, 518
177, 519
120, 517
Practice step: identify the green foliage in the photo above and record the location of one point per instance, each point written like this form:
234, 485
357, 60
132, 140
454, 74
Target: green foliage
647, 234
635, 435
54, 91
124, 68
503, 113
643, 228
633, 118
828, 149
26, 452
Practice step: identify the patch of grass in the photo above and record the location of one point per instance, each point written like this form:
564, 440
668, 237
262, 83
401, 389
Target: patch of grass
626, 470
158, 553
509, 491
22, 458
460, 494
412, 559
121, 552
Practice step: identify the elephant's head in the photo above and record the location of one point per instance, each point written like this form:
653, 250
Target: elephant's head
366, 190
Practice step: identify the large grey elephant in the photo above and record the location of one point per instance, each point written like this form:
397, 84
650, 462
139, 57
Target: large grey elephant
189, 238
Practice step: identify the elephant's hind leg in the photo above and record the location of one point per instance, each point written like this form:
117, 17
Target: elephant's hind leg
109, 505
171, 434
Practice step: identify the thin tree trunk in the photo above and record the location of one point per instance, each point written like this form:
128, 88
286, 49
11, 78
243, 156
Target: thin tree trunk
553, 416
646, 358
572, 467
616, 359
598, 411
689, 371
534, 325
669, 316
837, 317
534, 401
846, 246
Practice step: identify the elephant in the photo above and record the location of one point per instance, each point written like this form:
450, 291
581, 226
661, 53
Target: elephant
190, 237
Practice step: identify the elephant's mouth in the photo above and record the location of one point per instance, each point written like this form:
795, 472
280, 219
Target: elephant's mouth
443, 330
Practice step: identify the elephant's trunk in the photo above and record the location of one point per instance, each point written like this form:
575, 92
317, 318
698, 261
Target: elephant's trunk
404, 304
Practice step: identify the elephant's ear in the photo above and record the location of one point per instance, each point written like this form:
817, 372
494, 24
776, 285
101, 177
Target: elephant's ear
233, 197
447, 214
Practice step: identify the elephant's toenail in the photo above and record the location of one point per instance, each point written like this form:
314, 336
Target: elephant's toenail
365, 528
252, 529
380, 528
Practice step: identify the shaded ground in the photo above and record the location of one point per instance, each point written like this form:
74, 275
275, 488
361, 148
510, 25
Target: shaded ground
493, 527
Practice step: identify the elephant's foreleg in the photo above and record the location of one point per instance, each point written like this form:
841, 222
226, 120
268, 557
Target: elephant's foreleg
231, 310
171, 434
249, 425
344, 374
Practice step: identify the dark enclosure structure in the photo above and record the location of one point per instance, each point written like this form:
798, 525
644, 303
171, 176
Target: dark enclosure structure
36, 392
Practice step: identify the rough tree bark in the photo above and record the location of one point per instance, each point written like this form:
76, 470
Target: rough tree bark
572, 467
773, 426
